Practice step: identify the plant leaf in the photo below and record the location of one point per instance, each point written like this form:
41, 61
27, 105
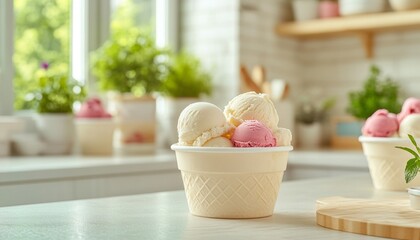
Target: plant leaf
416, 155
413, 141
411, 169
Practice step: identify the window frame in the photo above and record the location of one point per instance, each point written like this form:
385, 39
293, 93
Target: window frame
6, 57
97, 19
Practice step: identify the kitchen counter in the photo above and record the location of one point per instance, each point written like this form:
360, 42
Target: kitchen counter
38, 168
165, 216
26, 180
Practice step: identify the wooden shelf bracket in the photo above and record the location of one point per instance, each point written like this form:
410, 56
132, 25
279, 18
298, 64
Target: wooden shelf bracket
368, 44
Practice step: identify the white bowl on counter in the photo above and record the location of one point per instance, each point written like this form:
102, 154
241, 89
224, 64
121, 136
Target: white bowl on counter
8, 125
27, 144
403, 5
355, 7
414, 197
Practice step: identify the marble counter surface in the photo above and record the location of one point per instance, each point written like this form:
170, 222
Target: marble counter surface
165, 216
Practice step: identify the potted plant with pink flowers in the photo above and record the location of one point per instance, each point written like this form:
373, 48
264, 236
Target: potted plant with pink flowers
54, 100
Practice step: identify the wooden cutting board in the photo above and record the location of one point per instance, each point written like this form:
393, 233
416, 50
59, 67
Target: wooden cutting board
382, 218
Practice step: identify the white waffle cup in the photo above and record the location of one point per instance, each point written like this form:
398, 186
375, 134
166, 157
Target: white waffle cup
231, 182
387, 163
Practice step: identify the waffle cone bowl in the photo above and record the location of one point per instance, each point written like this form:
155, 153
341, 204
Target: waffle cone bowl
231, 182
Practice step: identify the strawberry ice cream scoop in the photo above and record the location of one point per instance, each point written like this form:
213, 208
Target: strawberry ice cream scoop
410, 106
381, 124
93, 108
252, 133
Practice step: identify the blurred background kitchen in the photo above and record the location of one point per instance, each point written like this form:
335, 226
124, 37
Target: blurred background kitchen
90, 90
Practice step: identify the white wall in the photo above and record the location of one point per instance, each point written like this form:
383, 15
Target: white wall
260, 45
339, 65
225, 34
209, 29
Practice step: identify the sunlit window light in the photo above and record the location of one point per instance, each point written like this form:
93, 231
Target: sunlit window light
79, 61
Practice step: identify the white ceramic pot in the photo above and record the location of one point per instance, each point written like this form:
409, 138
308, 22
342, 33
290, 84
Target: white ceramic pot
136, 124
309, 135
8, 126
57, 131
27, 144
168, 111
354, 7
402, 5
95, 135
304, 10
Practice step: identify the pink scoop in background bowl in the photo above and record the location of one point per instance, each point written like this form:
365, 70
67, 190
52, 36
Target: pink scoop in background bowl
410, 106
381, 124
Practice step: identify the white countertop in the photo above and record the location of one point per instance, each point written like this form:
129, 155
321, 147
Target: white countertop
17, 169
165, 216
14, 169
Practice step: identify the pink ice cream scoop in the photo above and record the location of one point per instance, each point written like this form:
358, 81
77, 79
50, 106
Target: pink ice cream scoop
252, 133
381, 124
93, 108
410, 106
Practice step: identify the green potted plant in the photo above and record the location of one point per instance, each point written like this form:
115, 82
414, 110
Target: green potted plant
184, 83
131, 66
129, 63
54, 100
377, 93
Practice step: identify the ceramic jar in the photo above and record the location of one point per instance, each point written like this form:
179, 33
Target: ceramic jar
328, 9
304, 10
354, 7
402, 5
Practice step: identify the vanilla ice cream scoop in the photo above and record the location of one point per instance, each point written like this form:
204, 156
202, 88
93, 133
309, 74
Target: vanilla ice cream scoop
410, 125
200, 122
254, 106
218, 142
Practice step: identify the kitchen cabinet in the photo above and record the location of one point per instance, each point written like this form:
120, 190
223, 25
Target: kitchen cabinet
365, 26
48, 179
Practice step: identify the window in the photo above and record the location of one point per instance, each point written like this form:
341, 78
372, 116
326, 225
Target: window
42, 37
62, 33
133, 13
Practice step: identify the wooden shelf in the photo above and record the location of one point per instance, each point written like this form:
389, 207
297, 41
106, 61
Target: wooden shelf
363, 25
